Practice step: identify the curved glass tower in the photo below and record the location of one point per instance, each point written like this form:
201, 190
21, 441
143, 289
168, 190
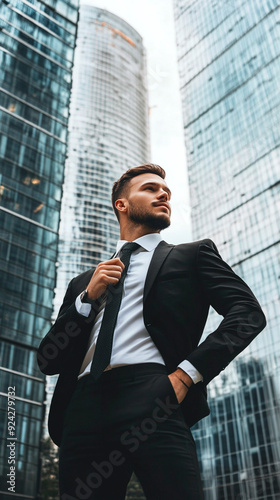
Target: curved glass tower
108, 133
36, 55
229, 68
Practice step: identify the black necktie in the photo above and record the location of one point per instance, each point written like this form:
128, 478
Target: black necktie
103, 350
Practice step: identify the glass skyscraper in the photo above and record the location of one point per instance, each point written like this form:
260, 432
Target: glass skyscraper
108, 133
36, 55
229, 65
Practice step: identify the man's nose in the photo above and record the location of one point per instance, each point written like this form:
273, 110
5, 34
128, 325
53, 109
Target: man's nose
163, 195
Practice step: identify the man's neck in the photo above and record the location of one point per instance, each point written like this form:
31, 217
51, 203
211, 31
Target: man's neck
131, 234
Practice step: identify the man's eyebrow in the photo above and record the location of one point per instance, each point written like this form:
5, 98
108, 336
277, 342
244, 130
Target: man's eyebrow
157, 184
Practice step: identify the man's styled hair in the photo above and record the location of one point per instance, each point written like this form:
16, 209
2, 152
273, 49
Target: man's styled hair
121, 185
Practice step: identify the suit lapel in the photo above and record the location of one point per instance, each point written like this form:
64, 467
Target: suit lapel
160, 254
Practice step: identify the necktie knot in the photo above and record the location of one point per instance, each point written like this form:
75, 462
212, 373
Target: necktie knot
128, 248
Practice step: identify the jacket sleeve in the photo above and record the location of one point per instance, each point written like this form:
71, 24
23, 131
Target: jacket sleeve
65, 343
232, 298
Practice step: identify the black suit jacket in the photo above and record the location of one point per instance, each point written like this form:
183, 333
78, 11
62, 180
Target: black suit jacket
182, 282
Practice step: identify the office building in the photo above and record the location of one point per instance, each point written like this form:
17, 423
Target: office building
108, 133
36, 55
229, 65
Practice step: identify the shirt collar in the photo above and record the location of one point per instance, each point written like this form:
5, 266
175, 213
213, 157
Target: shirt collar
149, 242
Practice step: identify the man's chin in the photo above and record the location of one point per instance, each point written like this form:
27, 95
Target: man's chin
154, 222
159, 223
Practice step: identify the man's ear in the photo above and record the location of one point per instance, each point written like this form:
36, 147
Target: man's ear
121, 205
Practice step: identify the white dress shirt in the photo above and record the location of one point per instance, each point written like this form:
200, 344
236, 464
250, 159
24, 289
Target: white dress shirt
132, 342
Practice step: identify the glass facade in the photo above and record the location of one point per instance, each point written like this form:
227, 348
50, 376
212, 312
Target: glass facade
108, 133
229, 66
37, 41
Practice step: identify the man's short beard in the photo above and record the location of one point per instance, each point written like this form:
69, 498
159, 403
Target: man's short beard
142, 217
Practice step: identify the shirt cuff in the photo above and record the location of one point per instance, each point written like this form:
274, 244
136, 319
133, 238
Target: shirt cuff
82, 308
191, 371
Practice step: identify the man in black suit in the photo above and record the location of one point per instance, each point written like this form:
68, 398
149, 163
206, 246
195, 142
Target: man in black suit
132, 375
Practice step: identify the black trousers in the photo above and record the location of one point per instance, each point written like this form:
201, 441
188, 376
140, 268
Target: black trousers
128, 421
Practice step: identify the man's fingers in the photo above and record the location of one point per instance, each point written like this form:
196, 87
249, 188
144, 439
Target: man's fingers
110, 270
111, 280
111, 273
113, 262
106, 273
109, 267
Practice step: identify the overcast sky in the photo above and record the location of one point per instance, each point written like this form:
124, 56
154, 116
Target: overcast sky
153, 19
